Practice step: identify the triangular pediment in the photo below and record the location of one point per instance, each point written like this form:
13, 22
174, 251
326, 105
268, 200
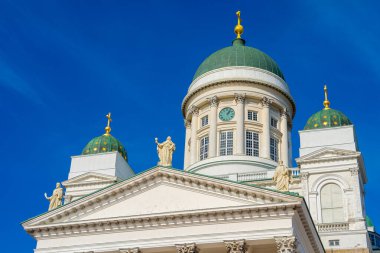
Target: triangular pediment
327, 154
159, 192
89, 178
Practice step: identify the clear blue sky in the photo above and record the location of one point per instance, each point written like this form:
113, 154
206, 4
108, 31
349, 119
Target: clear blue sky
65, 64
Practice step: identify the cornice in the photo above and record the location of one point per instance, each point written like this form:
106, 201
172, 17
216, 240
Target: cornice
234, 82
121, 224
122, 190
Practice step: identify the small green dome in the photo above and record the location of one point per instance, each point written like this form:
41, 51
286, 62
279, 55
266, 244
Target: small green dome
369, 222
327, 118
105, 143
239, 55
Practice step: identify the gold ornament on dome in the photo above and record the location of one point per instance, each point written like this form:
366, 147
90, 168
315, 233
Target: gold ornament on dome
239, 29
326, 103
108, 127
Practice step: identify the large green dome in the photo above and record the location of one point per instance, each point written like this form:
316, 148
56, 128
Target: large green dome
239, 55
327, 118
105, 143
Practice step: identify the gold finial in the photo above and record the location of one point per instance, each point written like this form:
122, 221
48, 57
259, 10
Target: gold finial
108, 128
239, 28
326, 103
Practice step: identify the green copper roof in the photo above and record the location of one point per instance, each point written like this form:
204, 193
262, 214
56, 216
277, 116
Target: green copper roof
105, 143
327, 118
239, 55
369, 222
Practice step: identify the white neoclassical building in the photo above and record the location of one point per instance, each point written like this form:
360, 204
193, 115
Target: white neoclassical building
238, 115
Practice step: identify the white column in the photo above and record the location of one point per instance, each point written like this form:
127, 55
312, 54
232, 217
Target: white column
240, 138
194, 127
187, 144
284, 141
265, 141
212, 146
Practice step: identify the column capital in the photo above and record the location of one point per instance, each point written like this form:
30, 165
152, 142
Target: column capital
284, 112
286, 244
240, 98
130, 250
304, 175
194, 110
354, 171
214, 101
235, 246
186, 248
187, 123
265, 101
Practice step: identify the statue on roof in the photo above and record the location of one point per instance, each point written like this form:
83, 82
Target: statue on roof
56, 198
282, 177
165, 151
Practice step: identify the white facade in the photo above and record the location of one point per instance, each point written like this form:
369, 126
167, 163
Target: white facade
238, 123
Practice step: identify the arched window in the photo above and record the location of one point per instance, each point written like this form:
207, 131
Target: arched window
332, 204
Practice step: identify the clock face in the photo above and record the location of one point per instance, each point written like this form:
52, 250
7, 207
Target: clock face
226, 114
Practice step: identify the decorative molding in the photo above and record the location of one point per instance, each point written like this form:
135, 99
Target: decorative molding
231, 83
317, 156
265, 101
194, 110
186, 248
304, 175
284, 112
286, 244
187, 123
130, 250
354, 171
235, 246
240, 98
214, 101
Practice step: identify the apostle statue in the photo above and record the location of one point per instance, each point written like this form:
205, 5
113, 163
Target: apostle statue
165, 151
56, 198
282, 177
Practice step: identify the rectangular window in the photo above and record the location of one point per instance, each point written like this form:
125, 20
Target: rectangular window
333, 242
251, 143
274, 149
226, 143
274, 122
204, 121
203, 152
252, 115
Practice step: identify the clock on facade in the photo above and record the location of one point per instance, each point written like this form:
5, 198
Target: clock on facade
226, 114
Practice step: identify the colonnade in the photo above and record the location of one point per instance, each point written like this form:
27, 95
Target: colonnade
192, 128
284, 244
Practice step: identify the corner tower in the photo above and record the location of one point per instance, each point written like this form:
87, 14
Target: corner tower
238, 113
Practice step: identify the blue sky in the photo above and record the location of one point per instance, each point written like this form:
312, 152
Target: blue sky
65, 64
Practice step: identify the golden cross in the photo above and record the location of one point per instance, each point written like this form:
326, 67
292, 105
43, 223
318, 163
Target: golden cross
326, 103
108, 128
238, 28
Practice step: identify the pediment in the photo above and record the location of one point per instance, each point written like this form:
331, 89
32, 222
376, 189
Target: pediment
161, 192
89, 178
327, 154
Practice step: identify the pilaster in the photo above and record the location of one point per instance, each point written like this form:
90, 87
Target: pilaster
265, 148
213, 126
284, 140
194, 127
240, 137
187, 144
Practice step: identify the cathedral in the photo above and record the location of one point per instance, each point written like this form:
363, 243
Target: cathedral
237, 192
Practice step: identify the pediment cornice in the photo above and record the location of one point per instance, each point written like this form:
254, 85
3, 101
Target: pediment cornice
328, 155
158, 175
89, 178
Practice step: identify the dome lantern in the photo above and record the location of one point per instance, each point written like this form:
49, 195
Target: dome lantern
105, 143
327, 117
